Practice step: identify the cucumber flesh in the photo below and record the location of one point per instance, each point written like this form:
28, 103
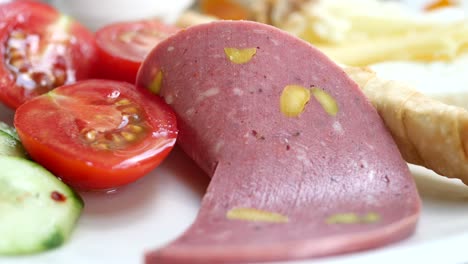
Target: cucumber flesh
37, 211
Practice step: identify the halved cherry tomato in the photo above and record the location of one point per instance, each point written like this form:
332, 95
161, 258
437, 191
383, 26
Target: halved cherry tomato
40, 49
97, 134
123, 46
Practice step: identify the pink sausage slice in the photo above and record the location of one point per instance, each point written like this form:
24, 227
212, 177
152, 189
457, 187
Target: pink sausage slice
308, 178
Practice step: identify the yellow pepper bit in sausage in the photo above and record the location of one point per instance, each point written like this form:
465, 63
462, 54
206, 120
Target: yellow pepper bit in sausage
155, 86
371, 218
353, 218
343, 218
240, 56
326, 100
255, 215
293, 100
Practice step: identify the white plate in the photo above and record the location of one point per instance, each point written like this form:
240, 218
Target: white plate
119, 227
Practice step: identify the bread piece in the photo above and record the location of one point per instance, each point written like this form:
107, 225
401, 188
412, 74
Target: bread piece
458, 99
427, 132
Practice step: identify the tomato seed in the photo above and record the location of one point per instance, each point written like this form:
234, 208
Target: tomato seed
91, 135
116, 138
42, 79
155, 33
134, 118
17, 63
102, 146
60, 77
20, 35
130, 110
128, 136
15, 54
123, 102
127, 36
135, 128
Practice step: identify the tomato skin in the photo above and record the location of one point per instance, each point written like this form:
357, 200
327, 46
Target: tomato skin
115, 68
47, 127
120, 59
78, 55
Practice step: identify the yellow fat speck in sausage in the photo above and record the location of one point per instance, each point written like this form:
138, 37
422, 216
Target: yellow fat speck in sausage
255, 215
240, 56
343, 218
371, 218
293, 100
155, 86
353, 218
328, 103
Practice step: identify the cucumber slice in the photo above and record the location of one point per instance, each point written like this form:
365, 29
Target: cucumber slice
37, 211
10, 130
10, 146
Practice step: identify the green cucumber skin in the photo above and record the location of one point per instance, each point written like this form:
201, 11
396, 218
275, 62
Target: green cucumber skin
32, 221
10, 130
10, 146
55, 240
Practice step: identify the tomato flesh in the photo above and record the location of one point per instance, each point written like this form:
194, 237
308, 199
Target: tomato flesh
97, 134
41, 50
123, 46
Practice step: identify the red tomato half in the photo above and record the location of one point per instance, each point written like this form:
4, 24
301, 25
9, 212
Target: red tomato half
40, 49
123, 46
97, 134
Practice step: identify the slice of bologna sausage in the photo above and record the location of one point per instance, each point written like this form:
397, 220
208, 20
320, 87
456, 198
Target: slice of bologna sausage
301, 164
